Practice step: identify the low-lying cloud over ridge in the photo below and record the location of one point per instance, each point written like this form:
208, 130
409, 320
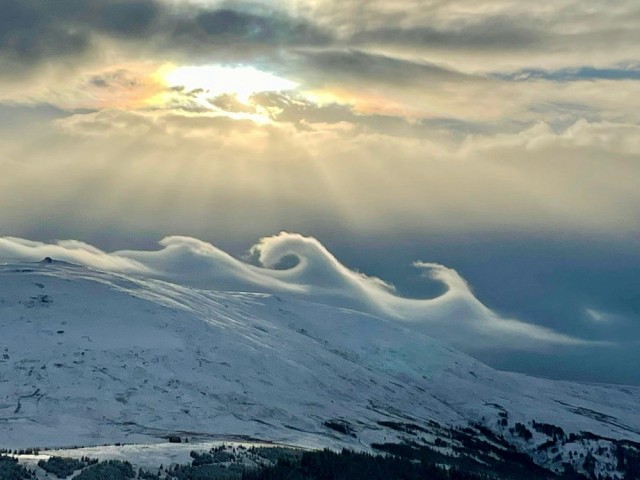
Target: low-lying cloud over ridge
313, 274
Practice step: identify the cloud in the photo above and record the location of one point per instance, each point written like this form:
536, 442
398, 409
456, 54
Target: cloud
227, 26
351, 64
599, 316
616, 321
489, 33
574, 74
456, 316
329, 164
484, 36
34, 32
27, 33
72, 251
446, 60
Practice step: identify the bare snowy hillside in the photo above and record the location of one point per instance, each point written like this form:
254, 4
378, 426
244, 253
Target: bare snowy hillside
89, 358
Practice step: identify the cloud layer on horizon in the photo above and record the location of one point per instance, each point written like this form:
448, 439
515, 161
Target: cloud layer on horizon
172, 171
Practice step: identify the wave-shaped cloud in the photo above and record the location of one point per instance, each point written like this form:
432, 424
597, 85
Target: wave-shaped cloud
456, 316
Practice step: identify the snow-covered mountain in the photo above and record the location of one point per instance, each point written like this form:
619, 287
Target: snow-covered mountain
90, 357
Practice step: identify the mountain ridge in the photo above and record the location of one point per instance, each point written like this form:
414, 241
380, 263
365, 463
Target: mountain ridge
91, 357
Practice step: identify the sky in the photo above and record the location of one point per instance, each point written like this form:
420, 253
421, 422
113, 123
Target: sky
477, 153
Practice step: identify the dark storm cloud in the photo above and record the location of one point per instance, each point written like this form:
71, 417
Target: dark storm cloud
130, 18
492, 33
32, 31
28, 33
226, 26
354, 65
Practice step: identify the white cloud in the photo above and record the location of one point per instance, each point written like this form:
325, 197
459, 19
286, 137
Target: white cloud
457, 316
72, 251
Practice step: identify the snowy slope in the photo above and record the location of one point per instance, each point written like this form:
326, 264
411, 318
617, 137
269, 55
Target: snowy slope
88, 357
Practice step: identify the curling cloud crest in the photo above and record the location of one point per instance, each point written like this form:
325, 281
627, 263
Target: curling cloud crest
456, 316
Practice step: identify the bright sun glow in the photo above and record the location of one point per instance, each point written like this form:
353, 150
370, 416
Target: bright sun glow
217, 80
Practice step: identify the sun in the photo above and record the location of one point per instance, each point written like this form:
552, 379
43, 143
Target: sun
216, 80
